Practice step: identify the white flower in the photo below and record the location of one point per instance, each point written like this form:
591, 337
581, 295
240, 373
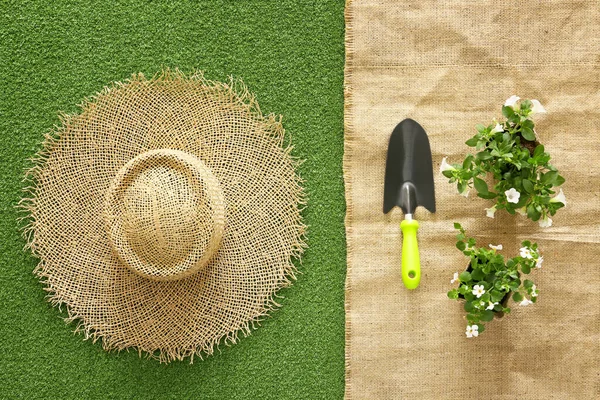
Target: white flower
499, 247
491, 305
497, 128
472, 331
534, 292
455, 277
525, 302
537, 108
512, 195
525, 252
522, 210
478, 290
545, 222
445, 166
559, 198
539, 261
489, 212
512, 100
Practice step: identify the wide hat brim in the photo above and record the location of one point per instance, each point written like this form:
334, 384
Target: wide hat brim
219, 124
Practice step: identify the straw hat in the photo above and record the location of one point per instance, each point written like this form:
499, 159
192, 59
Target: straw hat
166, 215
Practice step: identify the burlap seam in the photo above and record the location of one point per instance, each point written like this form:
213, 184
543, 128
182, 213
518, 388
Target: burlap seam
348, 126
476, 66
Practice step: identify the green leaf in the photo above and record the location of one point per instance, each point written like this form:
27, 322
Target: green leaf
472, 142
462, 186
496, 295
528, 124
468, 306
480, 128
487, 315
468, 160
517, 296
447, 173
525, 268
543, 160
488, 195
477, 275
463, 290
507, 111
514, 285
480, 185
461, 246
532, 213
457, 226
480, 328
528, 134
527, 185
544, 200
539, 150
549, 177
559, 180
472, 318
465, 277
527, 283
453, 294
483, 155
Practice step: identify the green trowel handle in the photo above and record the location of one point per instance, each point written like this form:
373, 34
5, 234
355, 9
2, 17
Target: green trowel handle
411, 265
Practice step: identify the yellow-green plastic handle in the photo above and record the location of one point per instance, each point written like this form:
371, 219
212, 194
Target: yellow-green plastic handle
411, 264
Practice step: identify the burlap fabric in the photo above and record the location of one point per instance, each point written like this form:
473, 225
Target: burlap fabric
166, 215
450, 65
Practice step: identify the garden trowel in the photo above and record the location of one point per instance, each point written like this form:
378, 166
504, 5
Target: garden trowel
408, 184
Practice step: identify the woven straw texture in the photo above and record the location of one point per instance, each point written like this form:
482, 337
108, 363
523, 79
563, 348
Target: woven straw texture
166, 215
158, 224
450, 65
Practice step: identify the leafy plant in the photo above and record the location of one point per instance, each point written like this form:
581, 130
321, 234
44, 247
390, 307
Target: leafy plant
524, 178
491, 280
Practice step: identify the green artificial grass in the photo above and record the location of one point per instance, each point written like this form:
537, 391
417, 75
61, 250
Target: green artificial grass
291, 55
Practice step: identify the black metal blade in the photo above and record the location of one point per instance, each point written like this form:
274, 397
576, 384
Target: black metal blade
408, 170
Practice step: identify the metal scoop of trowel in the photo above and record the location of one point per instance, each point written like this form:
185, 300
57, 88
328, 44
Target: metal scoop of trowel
408, 184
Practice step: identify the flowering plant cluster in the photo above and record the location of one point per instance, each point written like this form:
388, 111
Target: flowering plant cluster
524, 178
490, 280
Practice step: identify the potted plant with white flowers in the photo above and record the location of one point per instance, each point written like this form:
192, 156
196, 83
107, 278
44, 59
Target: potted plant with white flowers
490, 281
524, 180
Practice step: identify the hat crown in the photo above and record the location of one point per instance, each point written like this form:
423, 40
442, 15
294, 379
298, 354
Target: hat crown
164, 214
160, 216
